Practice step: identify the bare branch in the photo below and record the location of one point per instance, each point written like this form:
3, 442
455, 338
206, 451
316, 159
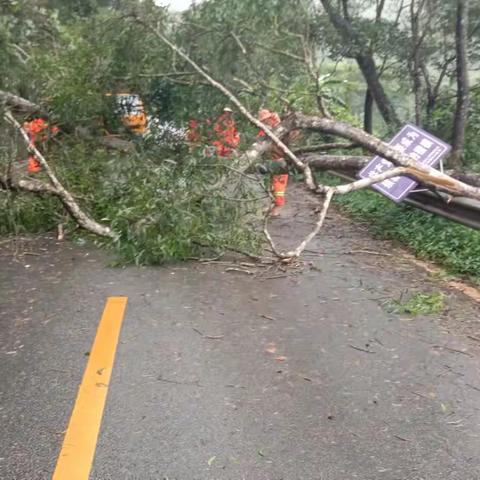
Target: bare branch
249, 88
325, 147
33, 186
321, 219
327, 162
368, 182
239, 42
167, 75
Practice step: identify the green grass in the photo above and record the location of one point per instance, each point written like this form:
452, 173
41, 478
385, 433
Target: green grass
419, 304
453, 246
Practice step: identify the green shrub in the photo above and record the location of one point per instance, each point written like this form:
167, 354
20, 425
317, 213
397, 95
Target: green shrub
158, 201
24, 212
164, 211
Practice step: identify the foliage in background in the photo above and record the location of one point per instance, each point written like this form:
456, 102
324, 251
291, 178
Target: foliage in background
441, 126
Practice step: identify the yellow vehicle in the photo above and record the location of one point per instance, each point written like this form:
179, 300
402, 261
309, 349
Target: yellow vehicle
132, 111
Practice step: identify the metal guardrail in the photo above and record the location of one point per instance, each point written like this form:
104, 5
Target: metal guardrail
460, 210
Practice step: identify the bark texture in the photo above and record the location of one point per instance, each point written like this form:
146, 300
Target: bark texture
14, 102
461, 112
365, 62
426, 175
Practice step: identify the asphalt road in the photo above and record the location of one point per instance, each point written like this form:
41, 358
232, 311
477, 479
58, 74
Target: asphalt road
301, 374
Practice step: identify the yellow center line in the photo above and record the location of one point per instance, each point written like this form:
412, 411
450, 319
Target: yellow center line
78, 449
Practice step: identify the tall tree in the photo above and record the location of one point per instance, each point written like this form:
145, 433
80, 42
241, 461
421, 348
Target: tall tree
361, 53
369, 101
460, 120
415, 62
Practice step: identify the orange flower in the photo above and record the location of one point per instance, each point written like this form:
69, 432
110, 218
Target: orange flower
227, 135
193, 135
37, 130
33, 165
37, 126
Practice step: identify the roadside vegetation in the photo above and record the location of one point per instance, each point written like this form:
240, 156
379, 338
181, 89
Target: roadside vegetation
419, 303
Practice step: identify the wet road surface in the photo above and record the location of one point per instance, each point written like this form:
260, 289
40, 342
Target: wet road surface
258, 375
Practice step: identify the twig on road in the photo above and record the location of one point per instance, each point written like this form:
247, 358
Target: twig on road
360, 349
277, 276
241, 270
207, 260
369, 252
268, 317
420, 395
454, 350
210, 337
195, 383
473, 386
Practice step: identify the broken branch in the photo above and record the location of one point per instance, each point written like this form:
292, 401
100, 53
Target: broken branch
56, 188
420, 172
18, 103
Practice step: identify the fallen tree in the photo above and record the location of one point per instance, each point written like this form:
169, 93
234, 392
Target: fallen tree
404, 165
355, 163
412, 168
331, 162
157, 201
305, 160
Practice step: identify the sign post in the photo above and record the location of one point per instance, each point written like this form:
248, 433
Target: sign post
417, 144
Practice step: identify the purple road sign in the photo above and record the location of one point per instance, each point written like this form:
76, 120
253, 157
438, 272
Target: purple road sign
414, 142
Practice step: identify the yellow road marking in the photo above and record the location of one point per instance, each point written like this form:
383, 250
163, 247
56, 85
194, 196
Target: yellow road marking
78, 449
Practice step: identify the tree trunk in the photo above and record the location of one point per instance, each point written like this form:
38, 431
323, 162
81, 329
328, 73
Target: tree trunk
339, 162
369, 70
365, 62
430, 107
461, 112
417, 91
15, 102
368, 112
433, 90
415, 61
